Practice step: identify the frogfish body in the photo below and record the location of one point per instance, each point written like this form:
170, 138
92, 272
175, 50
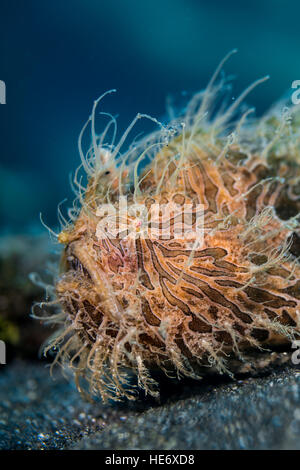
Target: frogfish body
182, 301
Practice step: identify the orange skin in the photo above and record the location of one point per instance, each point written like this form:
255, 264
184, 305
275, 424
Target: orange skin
149, 304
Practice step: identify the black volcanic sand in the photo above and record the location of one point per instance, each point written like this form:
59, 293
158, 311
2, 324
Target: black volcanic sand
40, 412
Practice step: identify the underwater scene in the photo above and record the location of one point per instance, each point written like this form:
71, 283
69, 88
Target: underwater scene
150, 228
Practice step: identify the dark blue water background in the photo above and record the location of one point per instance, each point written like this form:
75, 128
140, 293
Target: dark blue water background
57, 56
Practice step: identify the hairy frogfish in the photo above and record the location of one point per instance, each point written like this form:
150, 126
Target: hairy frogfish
182, 250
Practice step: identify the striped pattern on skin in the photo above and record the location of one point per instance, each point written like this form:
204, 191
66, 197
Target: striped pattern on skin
151, 303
